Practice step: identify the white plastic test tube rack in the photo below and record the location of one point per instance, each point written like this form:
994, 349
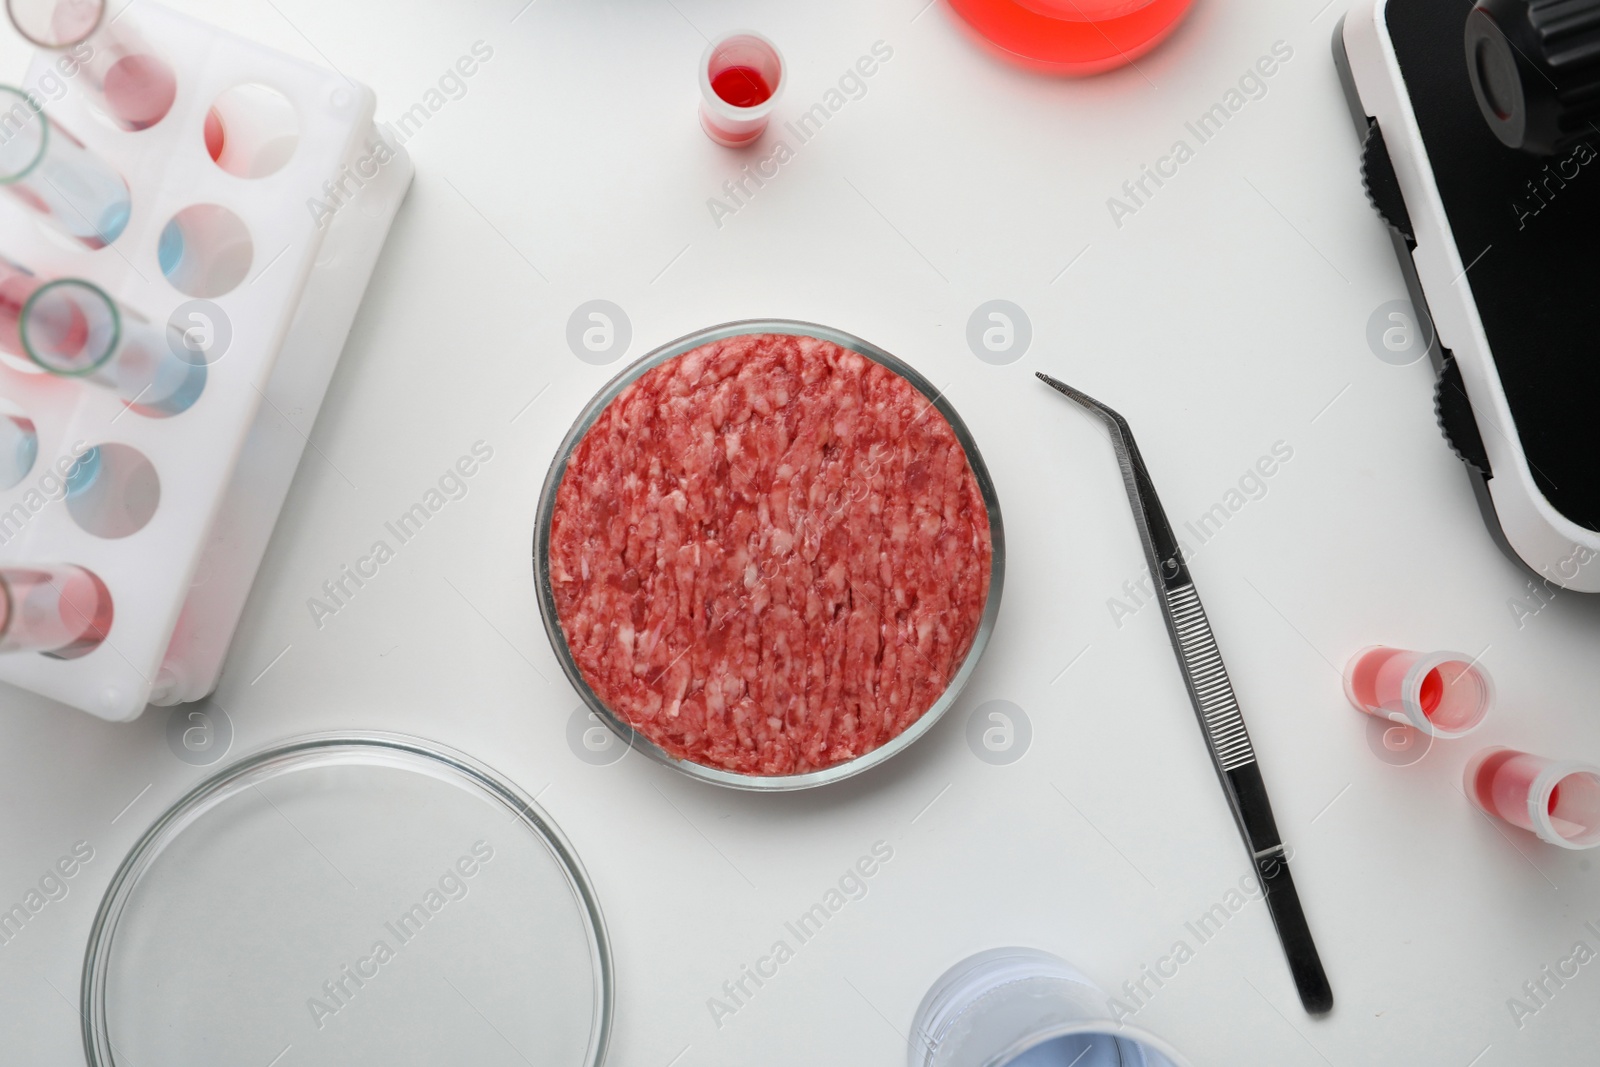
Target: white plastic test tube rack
222, 467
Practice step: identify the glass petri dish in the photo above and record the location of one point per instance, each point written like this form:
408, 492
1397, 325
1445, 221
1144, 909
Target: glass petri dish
619, 725
349, 899
1055, 37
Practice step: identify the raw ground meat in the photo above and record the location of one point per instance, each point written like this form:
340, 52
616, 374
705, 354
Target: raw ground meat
769, 555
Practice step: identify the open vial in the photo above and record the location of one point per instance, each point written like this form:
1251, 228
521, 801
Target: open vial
1559, 800
363, 899
741, 78
73, 329
61, 610
1443, 694
1020, 1007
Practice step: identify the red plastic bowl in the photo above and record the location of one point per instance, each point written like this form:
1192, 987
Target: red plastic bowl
1060, 44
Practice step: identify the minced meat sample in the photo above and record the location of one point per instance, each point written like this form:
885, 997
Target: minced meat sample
769, 555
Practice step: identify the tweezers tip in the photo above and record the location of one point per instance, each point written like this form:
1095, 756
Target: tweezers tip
1067, 391
1054, 383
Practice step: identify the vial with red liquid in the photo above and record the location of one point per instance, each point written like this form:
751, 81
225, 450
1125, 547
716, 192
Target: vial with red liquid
1074, 37
1443, 694
741, 78
1558, 800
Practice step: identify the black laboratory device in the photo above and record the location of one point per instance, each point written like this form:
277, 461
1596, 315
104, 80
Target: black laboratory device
1480, 127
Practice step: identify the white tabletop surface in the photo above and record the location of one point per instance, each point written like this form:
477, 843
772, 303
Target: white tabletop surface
1226, 317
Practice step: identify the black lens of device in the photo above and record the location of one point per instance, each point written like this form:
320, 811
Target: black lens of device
1535, 70
1496, 77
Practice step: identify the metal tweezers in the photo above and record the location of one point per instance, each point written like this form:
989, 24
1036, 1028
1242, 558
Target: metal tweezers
1217, 708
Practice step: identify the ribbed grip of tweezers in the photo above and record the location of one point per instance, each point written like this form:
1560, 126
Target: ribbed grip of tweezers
1208, 680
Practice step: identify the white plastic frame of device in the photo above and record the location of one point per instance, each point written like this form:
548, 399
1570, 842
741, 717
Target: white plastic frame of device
1555, 547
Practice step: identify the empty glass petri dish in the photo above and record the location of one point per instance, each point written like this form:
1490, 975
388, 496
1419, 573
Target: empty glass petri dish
349, 899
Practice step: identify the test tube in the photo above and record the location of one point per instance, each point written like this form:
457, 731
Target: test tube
1559, 800
51, 172
56, 24
60, 610
1443, 694
741, 78
19, 447
71, 328
109, 60
17, 284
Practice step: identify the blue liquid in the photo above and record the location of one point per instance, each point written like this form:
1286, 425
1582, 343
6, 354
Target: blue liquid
24, 451
115, 220
82, 475
27, 453
79, 192
1086, 1050
177, 386
169, 248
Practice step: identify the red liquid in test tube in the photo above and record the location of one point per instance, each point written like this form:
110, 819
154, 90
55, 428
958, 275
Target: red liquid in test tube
139, 90
60, 610
110, 60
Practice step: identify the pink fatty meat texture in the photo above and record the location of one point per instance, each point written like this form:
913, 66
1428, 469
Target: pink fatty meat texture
769, 555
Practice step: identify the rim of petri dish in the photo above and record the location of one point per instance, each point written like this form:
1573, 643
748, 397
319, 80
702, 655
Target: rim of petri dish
44, 135
397, 751
546, 594
116, 326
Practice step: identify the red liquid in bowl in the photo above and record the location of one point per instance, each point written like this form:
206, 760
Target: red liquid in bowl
1024, 34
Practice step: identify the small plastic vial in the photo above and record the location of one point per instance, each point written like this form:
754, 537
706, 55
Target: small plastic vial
1559, 800
1443, 694
741, 78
